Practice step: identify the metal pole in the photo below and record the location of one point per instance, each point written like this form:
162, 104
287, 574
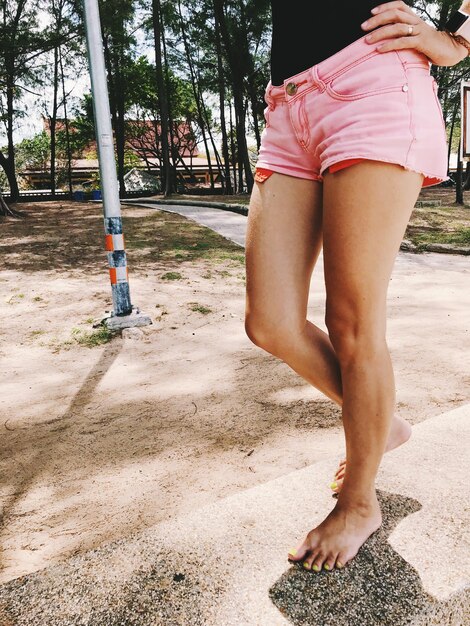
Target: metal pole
122, 307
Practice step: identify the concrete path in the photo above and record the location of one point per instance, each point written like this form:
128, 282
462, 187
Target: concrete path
226, 564
229, 224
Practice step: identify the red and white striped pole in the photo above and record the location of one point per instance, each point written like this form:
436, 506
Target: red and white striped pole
123, 314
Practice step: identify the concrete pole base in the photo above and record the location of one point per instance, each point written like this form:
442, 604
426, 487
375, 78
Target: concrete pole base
118, 322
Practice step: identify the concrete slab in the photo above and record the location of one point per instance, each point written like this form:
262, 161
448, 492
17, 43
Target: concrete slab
226, 564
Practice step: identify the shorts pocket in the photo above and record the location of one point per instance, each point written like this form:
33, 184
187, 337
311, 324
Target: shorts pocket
375, 73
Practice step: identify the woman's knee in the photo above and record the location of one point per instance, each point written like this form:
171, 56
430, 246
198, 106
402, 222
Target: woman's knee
271, 335
355, 336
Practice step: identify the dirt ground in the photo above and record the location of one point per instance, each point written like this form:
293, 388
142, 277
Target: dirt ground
103, 436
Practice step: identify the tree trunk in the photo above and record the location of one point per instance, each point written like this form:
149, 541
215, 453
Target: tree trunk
451, 132
9, 164
466, 185
117, 106
120, 131
8, 211
226, 180
53, 120
67, 129
234, 151
197, 98
174, 152
238, 94
459, 190
168, 184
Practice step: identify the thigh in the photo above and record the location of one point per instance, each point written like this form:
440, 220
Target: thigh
366, 208
283, 241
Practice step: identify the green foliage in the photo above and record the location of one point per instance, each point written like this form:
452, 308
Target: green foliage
34, 153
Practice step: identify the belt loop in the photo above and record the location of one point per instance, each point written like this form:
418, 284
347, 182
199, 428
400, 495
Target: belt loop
267, 96
317, 80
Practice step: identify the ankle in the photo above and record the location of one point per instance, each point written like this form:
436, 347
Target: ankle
364, 502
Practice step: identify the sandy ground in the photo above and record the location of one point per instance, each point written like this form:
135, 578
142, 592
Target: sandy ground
100, 442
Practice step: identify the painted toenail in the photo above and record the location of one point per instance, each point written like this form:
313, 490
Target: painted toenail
326, 566
333, 485
293, 551
339, 564
305, 564
316, 567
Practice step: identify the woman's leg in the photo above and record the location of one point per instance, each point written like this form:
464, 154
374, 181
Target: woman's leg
283, 241
366, 208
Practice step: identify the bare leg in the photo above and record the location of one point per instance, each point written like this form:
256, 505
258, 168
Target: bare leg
366, 209
284, 239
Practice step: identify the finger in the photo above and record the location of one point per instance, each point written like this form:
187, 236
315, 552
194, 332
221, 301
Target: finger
399, 43
389, 31
396, 4
390, 17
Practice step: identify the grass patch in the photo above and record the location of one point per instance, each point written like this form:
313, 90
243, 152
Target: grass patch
446, 224
169, 237
171, 276
200, 308
457, 236
235, 199
92, 338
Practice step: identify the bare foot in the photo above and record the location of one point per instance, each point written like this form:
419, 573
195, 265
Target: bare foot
338, 538
399, 434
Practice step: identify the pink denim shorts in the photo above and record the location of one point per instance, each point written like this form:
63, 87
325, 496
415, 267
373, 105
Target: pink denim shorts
356, 104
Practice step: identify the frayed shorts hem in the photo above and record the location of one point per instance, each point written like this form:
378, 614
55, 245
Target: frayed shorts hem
287, 171
429, 179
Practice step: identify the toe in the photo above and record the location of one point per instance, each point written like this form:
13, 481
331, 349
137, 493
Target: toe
343, 558
310, 558
336, 485
297, 554
318, 563
329, 562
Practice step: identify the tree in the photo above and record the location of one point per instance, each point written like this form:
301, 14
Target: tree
64, 18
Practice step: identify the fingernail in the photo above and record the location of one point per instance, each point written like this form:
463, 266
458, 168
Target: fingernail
368, 37
316, 567
333, 485
305, 564
365, 24
375, 10
293, 551
326, 566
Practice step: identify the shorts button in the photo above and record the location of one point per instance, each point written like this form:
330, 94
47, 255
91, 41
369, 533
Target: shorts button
291, 89
405, 87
